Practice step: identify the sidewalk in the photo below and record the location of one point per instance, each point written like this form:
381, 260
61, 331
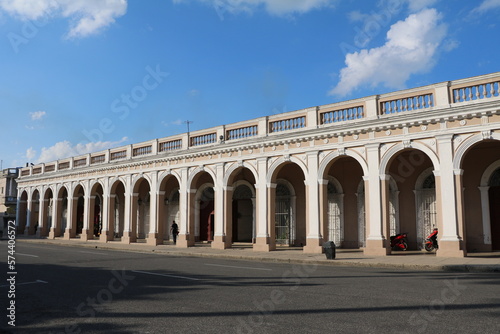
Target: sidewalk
411, 260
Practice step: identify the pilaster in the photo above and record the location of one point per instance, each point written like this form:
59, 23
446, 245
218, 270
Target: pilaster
450, 244
314, 237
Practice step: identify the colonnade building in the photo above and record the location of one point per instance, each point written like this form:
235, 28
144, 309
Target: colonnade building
354, 172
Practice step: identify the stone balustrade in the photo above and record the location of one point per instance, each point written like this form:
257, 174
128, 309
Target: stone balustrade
430, 98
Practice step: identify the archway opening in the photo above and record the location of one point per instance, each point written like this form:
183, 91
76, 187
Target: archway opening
142, 214
343, 214
480, 202
206, 214
494, 201
288, 220
169, 207
118, 216
410, 196
243, 217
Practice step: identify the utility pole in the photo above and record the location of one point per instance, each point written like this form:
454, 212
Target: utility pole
188, 122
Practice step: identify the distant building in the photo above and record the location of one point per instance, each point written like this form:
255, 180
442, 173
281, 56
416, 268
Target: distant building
353, 172
8, 195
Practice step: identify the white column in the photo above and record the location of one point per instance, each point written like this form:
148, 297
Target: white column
106, 198
127, 228
56, 220
86, 216
219, 235
262, 239
485, 209
375, 242
29, 208
69, 217
153, 237
449, 240
184, 239
314, 237
42, 217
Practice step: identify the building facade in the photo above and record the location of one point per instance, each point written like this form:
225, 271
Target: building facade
8, 197
354, 172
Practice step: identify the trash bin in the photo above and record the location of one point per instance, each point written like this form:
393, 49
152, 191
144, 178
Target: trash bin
329, 248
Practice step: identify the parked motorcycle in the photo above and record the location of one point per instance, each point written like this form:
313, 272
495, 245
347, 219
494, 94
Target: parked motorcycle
431, 242
399, 241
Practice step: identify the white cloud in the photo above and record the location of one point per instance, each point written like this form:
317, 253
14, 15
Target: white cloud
87, 17
487, 5
37, 115
30, 153
412, 46
275, 7
65, 149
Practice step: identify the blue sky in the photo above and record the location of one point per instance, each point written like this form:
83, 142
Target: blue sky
79, 76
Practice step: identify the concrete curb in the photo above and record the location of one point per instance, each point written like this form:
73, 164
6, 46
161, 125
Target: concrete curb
143, 248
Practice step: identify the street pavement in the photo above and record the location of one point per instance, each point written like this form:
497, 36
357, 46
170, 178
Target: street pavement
66, 289
412, 260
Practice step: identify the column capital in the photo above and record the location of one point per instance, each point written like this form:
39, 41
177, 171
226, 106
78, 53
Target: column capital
385, 177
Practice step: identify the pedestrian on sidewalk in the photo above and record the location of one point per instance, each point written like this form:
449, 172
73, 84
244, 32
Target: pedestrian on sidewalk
174, 230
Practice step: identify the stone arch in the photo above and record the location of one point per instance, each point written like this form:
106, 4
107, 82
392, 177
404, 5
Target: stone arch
114, 181
467, 144
229, 172
136, 180
325, 162
394, 150
165, 174
197, 172
279, 162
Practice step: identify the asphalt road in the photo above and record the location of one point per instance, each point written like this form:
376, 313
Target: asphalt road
81, 290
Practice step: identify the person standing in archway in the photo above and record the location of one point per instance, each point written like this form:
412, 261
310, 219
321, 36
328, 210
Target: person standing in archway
174, 230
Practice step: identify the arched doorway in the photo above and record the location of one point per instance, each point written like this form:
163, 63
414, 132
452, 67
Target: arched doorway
206, 213
243, 217
393, 208
97, 221
335, 212
411, 196
173, 213
284, 214
426, 206
117, 219
63, 217
494, 201
343, 203
35, 209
